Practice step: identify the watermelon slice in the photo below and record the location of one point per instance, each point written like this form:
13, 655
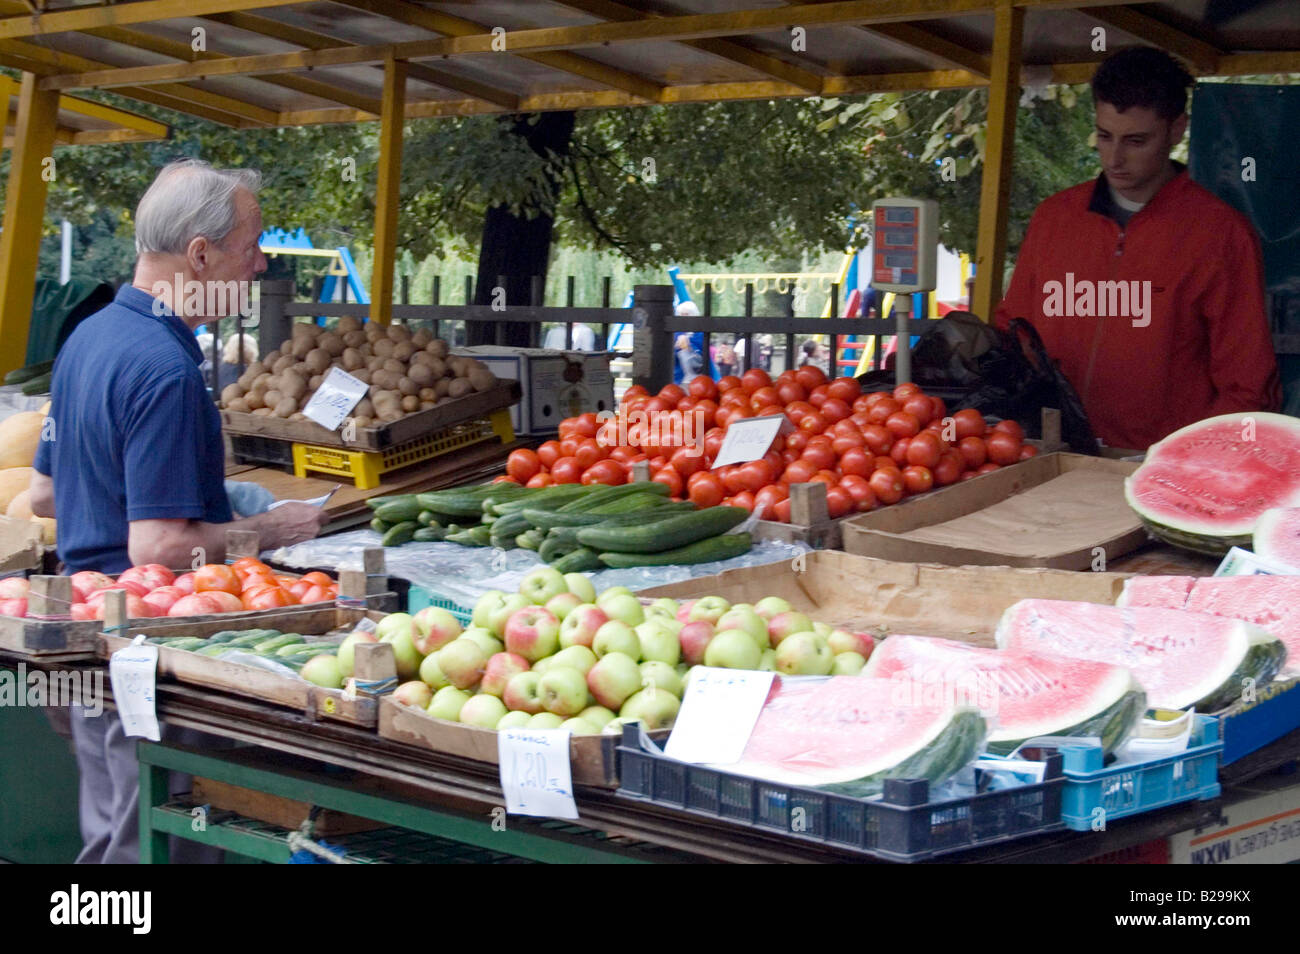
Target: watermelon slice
1025, 695
1277, 536
847, 734
1181, 659
1206, 486
1270, 602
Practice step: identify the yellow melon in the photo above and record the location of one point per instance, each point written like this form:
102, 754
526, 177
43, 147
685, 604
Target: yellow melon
20, 508
13, 481
45, 408
48, 532
20, 435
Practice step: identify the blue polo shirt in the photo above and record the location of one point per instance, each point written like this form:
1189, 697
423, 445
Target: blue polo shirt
135, 435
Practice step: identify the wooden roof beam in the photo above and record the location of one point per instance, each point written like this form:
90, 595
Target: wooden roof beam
1203, 56
142, 11
952, 54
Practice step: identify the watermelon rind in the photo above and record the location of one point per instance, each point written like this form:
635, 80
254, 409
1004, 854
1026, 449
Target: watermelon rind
1210, 535
960, 742
1113, 725
1263, 661
1277, 536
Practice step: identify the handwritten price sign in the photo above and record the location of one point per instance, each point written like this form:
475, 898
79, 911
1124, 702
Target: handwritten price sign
337, 395
132, 673
535, 774
718, 714
749, 438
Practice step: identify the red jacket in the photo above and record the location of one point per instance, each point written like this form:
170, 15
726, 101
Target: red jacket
1200, 346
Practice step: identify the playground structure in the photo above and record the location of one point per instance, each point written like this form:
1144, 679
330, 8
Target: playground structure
276, 242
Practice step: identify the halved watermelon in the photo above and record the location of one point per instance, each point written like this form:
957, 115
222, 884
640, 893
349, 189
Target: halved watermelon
1024, 695
847, 734
1270, 602
1277, 536
1206, 486
1181, 659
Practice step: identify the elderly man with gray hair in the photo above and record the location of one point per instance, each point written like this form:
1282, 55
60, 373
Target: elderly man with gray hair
135, 467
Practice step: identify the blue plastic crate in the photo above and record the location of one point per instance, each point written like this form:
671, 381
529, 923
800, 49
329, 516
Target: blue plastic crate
1136, 787
419, 597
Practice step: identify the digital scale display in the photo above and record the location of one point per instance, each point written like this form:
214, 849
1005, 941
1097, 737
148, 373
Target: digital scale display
897, 216
899, 238
899, 261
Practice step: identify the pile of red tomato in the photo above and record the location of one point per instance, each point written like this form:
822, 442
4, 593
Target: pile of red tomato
869, 449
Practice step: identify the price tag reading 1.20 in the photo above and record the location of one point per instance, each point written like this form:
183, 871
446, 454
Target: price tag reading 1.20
337, 395
749, 438
535, 774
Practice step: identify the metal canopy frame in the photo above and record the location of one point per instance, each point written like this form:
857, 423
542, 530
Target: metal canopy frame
264, 63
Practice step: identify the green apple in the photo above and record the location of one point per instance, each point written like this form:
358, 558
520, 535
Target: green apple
542, 665
499, 617
661, 676
770, 606
733, 649
545, 720
744, 618
522, 693
709, 609
347, 650
658, 639
447, 703
580, 587
847, 664
804, 654
598, 716
405, 654
513, 720
612, 591
767, 661
663, 607
484, 607
490, 644
580, 726
623, 607
394, 623
462, 661
563, 690
842, 641
533, 632
324, 671
615, 726
414, 693
783, 624
561, 604
431, 675
822, 629
656, 708
575, 657
617, 637
542, 584
579, 627
482, 710
613, 679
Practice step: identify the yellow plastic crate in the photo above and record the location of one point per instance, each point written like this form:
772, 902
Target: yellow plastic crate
366, 468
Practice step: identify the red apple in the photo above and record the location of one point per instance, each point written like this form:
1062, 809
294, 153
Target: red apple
684, 611
695, 638
163, 598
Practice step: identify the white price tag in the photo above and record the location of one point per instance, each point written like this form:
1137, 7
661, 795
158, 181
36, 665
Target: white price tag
132, 672
1239, 562
320, 501
535, 772
718, 713
337, 395
749, 438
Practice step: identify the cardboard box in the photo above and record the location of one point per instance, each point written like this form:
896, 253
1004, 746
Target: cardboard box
1063, 511
881, 596
555, 384
1260, 824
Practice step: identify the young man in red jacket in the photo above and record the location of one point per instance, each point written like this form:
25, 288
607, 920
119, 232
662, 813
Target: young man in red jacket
1147, 288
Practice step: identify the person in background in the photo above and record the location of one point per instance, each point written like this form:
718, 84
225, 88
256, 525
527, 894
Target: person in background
584, 339
233, 363
134, 473
814, 353
204, 341
689, 348
724, 359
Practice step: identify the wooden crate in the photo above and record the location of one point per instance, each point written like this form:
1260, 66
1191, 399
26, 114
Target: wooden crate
408, 428
315, 702
275, 810
592, 758
1056, 510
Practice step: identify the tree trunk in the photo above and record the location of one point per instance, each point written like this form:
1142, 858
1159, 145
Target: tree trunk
515, 246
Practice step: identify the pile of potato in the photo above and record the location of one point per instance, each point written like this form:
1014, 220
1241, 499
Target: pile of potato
407, 372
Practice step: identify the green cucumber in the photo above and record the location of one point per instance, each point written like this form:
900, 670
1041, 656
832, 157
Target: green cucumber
429, 535
666, 534
23, 375
307, 650
581, 560
722, 547
38, 385
218, 650
399, 511
225, 636
631, 503
380, 526
599, 495
666, 508
275, 642
186, 642
553, 548
291, 649
426, 518
400, 533
461, 508
529, 540
473, 537
252, 637
511, 525
548, 498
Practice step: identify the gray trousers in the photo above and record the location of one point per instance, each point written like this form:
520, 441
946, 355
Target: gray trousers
109, 796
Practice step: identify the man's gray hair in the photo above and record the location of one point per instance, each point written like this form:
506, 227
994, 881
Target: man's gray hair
189, 199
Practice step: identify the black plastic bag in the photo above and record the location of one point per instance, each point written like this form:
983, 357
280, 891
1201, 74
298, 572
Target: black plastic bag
1003, 374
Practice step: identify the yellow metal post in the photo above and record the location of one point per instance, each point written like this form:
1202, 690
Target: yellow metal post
20, 240
387, 190
995, 188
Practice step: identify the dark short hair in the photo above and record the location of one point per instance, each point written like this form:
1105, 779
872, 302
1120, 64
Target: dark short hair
1143, 76
809, 346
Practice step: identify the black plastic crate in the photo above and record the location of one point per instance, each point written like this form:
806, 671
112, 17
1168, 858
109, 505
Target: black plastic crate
901, 825
267, 451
